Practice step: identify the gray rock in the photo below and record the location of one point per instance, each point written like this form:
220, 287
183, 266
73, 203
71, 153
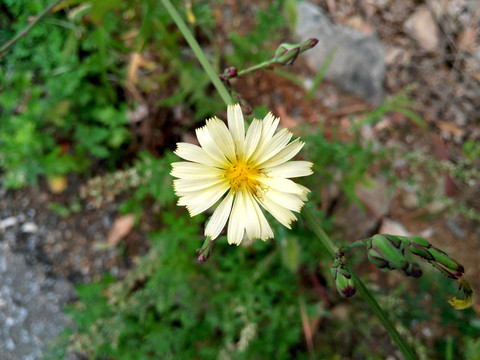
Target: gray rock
358, 65
30, 307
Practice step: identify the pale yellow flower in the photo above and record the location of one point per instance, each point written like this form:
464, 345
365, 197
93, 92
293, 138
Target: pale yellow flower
244, 173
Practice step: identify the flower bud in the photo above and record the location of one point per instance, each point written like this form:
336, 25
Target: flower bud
286, 54
343, 279
386, 252
438, 258
229, 73
205, 250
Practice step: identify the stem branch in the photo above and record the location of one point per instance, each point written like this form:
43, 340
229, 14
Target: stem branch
22, 33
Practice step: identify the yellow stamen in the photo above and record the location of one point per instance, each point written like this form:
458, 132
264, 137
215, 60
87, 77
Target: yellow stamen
240, 175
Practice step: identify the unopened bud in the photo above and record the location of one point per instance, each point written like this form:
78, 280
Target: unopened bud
229, 73
205, 250
343, 279
286, 54
438, 258
387, 252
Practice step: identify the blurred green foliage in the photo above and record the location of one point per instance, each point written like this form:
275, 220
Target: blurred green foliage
58, 110
62, 87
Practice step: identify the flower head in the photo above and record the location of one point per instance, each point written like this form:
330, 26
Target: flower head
242, 172
343, 278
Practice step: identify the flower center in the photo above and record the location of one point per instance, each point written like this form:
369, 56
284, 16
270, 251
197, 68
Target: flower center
240, 175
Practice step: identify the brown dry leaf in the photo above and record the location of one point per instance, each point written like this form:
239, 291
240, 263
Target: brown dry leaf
121, 228
423, 28
57, 184
356, 22
476, 76
286, 120
452, 129
137, 61
467, 41
133, 67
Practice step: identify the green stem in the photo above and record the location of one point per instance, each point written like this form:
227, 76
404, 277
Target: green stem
22, 33
353, 245
321, 234
360, 286
256, 67
192, 42
381, 316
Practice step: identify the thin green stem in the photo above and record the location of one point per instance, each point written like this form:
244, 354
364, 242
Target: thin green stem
321, 234
381, 316
256, 67
22, 33
353, 245
360, 286
192, 42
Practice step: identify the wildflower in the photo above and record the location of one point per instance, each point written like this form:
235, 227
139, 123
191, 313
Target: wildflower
243, 173
343, 278
466, 295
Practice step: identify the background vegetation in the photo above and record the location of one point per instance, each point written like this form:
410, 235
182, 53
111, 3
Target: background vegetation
104, 90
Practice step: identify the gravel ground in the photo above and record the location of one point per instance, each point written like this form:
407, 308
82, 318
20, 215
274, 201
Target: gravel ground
31, 305
42, 256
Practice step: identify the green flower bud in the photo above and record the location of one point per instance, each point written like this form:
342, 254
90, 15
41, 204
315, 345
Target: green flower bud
343, 279
420, 247
229, 73
386, 252
205, 250
436, 257
286, 54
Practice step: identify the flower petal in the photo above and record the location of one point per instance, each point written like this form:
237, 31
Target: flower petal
265, 229
236, 127
209, 144
268, 149
269, 125
196, 154
184, 187
287, 200
223, 138
219, 218
252, 140
281, 184
290, 169
252, 222
283, 215
190, 170
304, 193
284, 155
199, 201
236, 224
